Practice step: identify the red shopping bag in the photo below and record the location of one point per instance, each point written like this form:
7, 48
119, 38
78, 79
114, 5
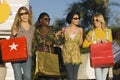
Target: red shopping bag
14, 49
101, 55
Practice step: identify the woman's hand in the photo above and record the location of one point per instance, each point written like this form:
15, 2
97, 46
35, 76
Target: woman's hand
58, 34
49, 43
102, 41
89, 38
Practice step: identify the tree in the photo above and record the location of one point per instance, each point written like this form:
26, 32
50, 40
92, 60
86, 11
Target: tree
89, 7
59, 23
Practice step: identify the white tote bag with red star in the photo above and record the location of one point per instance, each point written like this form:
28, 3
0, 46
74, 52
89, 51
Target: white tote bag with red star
14, 49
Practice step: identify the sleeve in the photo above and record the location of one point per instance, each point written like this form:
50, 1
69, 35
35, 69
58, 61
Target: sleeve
87, 43
34, 44
54, 40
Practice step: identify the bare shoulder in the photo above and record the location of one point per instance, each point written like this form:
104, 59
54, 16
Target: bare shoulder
80, 29
64, 28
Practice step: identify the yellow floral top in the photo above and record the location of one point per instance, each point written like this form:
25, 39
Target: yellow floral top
71, 49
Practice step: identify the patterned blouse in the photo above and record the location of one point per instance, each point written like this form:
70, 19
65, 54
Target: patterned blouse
39, 41
71, 48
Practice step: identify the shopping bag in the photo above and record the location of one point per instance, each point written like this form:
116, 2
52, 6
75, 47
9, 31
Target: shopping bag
47, 64
1, 61
116, 51
85, 70
14, 49
101, 55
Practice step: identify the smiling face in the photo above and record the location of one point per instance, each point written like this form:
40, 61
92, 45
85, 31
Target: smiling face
45, 20
24, 15
99, 21
96, 22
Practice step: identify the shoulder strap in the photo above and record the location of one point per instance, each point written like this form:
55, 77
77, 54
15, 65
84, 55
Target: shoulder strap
93, 35
107, 34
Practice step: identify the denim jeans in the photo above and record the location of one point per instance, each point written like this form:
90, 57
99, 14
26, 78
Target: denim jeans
72, 71
22, 65
101, 73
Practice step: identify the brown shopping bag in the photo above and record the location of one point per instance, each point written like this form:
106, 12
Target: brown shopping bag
47, 64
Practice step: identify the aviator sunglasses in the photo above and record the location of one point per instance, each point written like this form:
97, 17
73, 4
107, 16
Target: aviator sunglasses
25, 13
95, 20
47, 19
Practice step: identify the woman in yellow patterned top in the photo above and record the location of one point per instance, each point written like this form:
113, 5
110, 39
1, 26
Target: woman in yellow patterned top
71, 49
98, 34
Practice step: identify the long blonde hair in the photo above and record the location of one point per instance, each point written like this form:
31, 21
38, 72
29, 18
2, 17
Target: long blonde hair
101, 19
17, 20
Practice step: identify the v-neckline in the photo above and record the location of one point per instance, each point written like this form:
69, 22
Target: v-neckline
72, 36
26, 29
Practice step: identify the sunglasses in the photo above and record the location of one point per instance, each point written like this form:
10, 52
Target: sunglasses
95, 20
47, 19
25, 13
76, 18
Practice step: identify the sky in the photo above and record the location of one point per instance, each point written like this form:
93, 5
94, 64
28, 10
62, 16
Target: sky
55, 8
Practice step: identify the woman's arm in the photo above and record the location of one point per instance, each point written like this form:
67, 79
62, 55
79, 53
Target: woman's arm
81, 37
14, 32
88, 40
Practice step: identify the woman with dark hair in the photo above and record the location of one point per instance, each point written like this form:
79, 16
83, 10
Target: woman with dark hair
71, 48
22, 26
44, 37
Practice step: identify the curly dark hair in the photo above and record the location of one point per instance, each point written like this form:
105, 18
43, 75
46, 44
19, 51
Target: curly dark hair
41, 16
70, 16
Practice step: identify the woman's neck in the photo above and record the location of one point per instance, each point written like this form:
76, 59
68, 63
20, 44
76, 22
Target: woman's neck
72, 26
25, 25
44, 27
44, 30
99, 27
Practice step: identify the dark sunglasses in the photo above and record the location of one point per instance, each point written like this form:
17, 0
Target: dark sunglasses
95, 20
47, 19
76, 18
25, 13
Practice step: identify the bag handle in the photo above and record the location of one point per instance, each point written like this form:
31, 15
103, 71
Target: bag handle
93, 37
45, 48
49, 49
13, 36
107, 35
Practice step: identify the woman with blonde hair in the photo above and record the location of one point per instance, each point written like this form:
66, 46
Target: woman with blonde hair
22, 26
99, 33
